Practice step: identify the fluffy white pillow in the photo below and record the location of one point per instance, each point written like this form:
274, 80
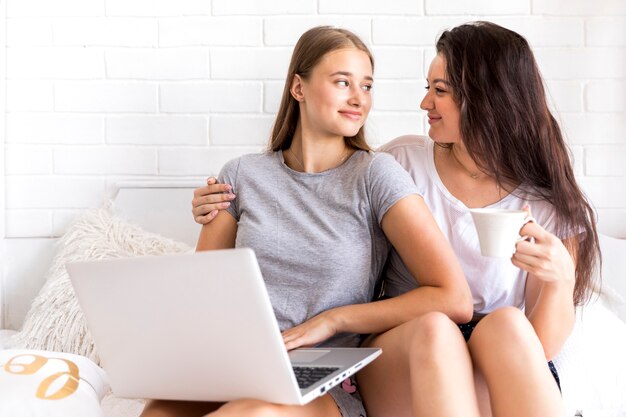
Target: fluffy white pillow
49, 384
55, 321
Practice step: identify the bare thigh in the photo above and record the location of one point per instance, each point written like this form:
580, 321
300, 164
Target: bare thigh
423, 362
507, 351
385, 383
482, 394
323, 406
163, 408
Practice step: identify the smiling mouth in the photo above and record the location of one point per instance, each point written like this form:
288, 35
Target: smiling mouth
351, 115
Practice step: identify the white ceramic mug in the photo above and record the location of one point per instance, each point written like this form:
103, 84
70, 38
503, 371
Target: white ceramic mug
498, 230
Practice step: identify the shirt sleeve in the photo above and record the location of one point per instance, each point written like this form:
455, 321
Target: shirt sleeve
389, 183
228, 175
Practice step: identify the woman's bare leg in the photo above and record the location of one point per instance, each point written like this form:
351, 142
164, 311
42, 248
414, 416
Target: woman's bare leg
163, 408
323, 406
507, 351
482, 394
425, 370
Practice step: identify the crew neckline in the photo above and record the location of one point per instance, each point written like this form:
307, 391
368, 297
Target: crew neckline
281, 157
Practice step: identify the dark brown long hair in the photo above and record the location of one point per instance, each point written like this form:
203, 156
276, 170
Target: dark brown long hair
509, 131
312, 46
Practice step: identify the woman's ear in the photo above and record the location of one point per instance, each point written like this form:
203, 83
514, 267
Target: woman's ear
296, 88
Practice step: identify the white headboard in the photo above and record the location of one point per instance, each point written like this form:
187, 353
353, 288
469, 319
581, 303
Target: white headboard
163, 208
159, 207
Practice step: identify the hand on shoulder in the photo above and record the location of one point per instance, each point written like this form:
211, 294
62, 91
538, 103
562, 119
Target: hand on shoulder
209, 199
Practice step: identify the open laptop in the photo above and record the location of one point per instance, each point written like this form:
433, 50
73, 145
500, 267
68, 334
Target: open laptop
199, 326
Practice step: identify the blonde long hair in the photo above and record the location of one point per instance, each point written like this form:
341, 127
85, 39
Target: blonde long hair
312, 46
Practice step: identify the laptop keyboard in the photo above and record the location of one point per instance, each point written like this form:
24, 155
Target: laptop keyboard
308, 375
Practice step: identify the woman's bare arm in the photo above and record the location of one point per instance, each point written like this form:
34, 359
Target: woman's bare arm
219, 233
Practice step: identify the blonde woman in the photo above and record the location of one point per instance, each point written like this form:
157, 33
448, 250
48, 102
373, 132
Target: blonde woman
320, 211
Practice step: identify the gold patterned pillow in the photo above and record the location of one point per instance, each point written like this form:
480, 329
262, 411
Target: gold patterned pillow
37, 383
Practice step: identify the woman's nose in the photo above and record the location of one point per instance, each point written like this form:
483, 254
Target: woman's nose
356, 96
427, 102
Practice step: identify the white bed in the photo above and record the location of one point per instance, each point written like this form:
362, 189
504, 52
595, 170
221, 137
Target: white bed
592, 365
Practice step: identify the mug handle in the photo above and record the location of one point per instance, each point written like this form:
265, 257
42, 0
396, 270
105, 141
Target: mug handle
528, 219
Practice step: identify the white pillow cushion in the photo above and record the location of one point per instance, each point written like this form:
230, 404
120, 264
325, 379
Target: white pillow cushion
614, 274
50, 384
55, 321
592, 364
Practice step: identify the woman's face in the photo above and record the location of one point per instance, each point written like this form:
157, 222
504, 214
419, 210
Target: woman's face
444, 115
336, 99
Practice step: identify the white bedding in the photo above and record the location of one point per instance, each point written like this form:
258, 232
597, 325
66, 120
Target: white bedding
592, 364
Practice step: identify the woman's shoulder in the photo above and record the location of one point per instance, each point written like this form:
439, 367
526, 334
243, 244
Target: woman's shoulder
377, 159
251, 161
385, 169
405, 143
410, 151
373, 163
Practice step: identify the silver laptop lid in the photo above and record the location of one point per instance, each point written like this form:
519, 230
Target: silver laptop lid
140, 312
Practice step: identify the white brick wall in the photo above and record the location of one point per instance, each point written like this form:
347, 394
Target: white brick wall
53, 128
208, 31
240, 130
250, 63
489, 7
370, 7
105, 90
54, 63
579, 7
57, 8
161, 129
211, 97
156, 8
131, 32
278, 31
157, 64
3, 92
263, 8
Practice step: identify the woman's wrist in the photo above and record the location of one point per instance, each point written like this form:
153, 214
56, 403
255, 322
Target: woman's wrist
565, 283
337, 319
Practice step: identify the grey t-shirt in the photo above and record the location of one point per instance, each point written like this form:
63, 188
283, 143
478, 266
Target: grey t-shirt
317, 236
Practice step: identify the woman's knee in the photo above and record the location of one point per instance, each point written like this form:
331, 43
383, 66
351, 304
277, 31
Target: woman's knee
505, 327
430, 332
424, 339
418, 330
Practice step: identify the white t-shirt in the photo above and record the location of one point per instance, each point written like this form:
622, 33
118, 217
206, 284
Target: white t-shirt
494, 282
